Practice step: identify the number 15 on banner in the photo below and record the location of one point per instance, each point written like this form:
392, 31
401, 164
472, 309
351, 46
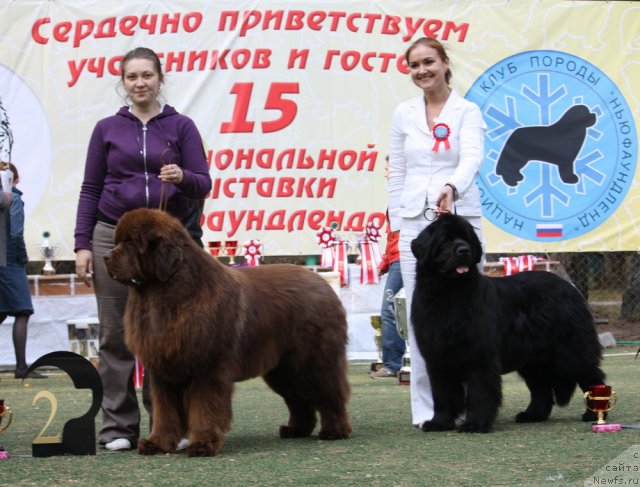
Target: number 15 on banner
276, 100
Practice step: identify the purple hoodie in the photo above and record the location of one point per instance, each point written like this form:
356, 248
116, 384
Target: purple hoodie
115, 179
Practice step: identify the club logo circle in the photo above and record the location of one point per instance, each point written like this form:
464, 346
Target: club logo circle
560, 146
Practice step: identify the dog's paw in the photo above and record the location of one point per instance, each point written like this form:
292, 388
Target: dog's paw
146, 447
569, 178
473, 427
202, 449
528, 417
335, 434
433, 426
290, 432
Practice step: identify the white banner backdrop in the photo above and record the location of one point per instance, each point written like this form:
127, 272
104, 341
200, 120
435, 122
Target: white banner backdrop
294, 100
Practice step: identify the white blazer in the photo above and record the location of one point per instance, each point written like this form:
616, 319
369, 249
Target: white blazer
417, 173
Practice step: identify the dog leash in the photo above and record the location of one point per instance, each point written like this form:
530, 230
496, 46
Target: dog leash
164, 194
163, 197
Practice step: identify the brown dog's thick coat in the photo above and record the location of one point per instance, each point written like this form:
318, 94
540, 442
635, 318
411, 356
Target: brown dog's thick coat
199, 326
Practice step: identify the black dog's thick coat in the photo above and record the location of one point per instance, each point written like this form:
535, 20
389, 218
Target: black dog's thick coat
471, 329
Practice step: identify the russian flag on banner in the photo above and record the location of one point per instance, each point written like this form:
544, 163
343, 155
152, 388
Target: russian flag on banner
549, 230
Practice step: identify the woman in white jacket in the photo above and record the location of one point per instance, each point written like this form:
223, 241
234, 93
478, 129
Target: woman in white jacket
436, 150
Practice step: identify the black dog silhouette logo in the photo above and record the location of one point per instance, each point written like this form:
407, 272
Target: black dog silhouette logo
558, 144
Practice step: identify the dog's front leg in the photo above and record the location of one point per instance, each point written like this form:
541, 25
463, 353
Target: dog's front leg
447, 399
208, 407
168, 418
484, 395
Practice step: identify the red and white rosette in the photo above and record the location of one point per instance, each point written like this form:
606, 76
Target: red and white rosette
441, 133
373, 232
520, 263
326, 239
341, 261
370, 255
252, 251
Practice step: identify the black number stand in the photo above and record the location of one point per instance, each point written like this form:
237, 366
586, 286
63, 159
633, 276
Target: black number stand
78, 434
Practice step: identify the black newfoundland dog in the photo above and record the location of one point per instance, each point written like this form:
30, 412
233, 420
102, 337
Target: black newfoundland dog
472, 328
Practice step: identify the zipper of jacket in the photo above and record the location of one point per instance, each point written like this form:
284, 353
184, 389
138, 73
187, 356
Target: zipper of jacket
144, 158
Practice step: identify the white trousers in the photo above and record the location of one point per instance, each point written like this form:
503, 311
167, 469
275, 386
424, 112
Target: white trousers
421, 398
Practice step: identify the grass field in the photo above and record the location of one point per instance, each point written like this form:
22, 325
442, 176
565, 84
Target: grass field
384, 450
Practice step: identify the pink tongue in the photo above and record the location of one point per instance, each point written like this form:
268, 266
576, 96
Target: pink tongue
462, 269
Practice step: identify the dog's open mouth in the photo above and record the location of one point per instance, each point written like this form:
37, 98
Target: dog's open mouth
463, 269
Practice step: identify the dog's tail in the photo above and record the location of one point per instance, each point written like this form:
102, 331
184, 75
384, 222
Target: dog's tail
583, 373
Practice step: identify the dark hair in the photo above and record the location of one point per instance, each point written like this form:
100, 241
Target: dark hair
14, 170
142, 53
435, 44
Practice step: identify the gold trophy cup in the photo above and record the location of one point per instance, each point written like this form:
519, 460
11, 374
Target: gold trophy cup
5, 412
376, 324
601, 399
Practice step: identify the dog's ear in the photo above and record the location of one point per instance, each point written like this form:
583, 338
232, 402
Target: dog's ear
420, 244
474, 241
167, 257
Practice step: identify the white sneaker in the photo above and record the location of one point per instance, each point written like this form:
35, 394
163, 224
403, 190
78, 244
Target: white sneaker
182, 444
119, 444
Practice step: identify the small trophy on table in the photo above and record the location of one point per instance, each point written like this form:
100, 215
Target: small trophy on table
230, 248
214, 247
376, 324
47, 251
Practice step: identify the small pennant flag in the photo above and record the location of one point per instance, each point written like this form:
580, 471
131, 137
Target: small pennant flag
549, 230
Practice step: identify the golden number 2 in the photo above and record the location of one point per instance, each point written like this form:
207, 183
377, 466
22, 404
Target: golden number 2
54, 408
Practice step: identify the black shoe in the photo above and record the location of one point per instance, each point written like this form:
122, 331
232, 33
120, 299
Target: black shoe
22, 374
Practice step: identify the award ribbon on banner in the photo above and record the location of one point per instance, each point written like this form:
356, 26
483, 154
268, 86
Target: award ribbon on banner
252, 251
370, 256
341, 262
441, 133
521, 263
326, 238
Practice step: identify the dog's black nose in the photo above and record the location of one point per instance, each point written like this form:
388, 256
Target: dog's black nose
107, 257
462, 248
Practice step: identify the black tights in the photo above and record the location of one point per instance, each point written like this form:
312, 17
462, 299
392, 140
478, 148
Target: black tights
19, 338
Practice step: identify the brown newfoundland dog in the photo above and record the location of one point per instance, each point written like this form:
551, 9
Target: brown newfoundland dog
199, 326
471, 329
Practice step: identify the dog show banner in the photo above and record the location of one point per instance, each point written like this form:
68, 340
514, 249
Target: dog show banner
294, 103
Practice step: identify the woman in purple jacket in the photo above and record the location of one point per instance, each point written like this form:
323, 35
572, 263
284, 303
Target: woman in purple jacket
145, 153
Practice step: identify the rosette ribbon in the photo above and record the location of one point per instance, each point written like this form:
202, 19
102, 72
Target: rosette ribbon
326, 239
341, 262
441, 133
520, 263
252, 251
370, 256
